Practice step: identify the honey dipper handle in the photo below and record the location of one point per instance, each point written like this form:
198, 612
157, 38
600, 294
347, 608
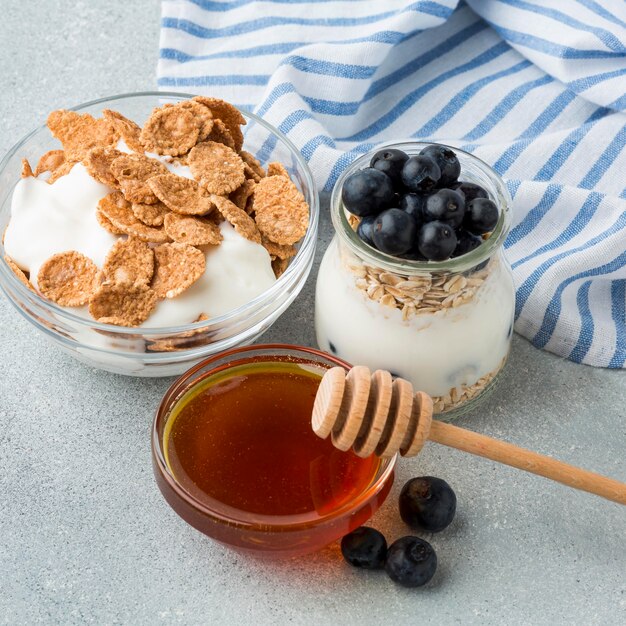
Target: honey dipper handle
523, 459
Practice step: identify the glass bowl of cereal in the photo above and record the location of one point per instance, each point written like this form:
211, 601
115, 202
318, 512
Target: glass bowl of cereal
154, 229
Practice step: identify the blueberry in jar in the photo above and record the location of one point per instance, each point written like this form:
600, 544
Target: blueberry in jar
466, 242
481, 216
390, 161
436, 241
470, 191
445, 205
427, 503
364, 229
447, 161
367, 192
364, 547
394, 232
420, 173
411, 561
413, 204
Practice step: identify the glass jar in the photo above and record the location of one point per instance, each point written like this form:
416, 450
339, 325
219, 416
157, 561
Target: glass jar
445, 326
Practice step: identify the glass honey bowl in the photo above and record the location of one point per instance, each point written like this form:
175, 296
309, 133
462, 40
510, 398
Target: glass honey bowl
235, 456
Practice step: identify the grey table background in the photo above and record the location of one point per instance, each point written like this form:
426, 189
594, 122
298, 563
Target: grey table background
85, 535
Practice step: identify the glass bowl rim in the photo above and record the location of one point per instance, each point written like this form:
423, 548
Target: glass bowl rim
394, 264
268, 523
297, 264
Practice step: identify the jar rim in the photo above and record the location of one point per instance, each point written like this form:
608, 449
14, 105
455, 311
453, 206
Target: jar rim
487, 175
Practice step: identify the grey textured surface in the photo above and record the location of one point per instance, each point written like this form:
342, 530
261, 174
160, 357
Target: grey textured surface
85, 535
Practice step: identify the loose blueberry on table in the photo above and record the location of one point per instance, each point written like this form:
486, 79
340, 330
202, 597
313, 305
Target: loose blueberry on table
416, 208
427, 503
365, 547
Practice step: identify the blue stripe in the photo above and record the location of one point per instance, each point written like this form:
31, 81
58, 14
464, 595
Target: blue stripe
591, 81
598, 9
550, 48
604, 161
605, 36
463, 97
331, 107
343, 161
619, 103
222, 81
172, 54
550, 113
242, 28
410, 99
585, 337
386, 36
553, 311
513, 186
504, 107
526, 288
618, 313
309, 148
434, 8
535, 215
568, 145
582, 218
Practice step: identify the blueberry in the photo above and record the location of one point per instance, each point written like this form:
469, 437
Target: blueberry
411, 561
394, 232
414, 255
364, 229
390, 161
364, 547
466, 242
446, 205
471, 191
427, 503
436, 241
367, 192
447, 161
413, 204
420, 173
481, 216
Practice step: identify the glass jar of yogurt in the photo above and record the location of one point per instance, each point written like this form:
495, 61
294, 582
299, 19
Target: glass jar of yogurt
445, 326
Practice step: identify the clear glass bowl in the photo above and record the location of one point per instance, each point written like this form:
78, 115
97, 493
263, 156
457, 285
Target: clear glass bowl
445, 326
159, 351
270, 535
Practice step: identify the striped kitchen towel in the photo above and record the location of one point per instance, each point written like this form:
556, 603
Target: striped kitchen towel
535, 88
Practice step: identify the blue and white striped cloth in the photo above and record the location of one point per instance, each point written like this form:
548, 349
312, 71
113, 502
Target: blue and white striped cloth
535, 88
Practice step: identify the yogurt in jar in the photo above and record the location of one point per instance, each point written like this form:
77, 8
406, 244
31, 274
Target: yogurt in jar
450, 347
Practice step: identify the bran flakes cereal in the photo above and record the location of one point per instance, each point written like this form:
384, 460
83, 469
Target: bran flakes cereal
202, 115
277, 251
18, 272
177, 267
50, 161
240, 196
150, 214
119, 212
241, 221
68, 278
122, 305
171, 131
221, 134
181, 195
106, 223
128, 262
281, 212
60, 171
216, 167
229, 114
252, 167
80, 132
194, 231
132, 171
98, 164
27, 170
279, 266
127, 129
277, 169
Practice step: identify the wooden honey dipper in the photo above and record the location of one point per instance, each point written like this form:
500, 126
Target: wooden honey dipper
375, 414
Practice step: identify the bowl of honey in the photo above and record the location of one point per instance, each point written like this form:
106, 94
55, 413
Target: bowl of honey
235, 456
